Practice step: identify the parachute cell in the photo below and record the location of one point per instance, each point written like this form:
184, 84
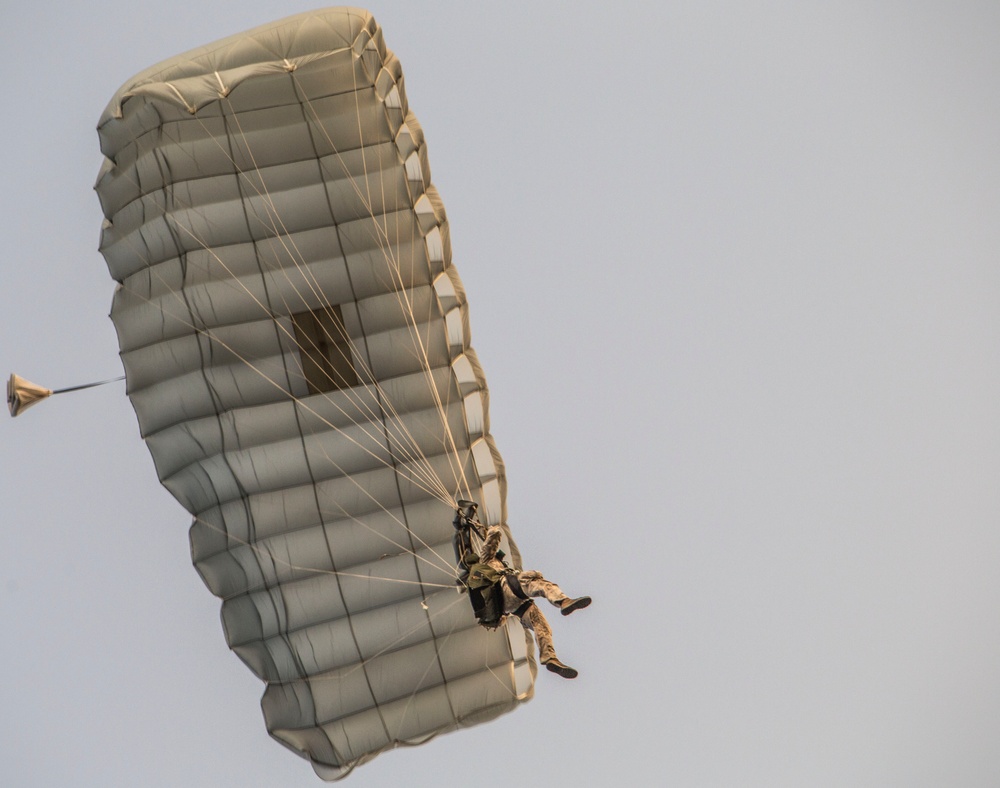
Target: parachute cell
296, 347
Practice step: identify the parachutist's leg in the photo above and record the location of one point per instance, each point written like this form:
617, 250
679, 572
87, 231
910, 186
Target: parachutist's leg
533, 619
535, 585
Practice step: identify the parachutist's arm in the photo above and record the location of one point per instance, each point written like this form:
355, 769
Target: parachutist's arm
463, 521
493, 536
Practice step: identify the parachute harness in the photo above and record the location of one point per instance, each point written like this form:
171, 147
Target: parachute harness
486, 596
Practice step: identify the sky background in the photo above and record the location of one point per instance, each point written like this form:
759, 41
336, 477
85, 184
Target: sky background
733, 279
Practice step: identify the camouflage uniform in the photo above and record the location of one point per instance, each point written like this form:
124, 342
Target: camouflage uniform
533, 585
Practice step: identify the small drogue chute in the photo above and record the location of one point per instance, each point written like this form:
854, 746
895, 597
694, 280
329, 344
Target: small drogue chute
22, 393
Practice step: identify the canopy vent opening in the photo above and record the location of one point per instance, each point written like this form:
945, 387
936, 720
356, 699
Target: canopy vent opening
327, 362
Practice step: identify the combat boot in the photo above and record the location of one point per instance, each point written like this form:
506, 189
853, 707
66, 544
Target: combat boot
563, 670
567, 606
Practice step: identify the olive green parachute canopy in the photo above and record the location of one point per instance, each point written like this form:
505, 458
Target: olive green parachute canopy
22, 394
296, 348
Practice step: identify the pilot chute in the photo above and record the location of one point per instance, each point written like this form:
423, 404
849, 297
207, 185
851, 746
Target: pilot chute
22, 394
296, 348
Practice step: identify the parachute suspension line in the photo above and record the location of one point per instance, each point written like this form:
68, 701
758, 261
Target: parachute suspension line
402, 297
272, 223
393, 265
274, 219
382, 241
221, 343
296, 257
265, 311
457, 468
181, 319
381, 238
265, 552
403, 636
388, 647
445, 562
421, 354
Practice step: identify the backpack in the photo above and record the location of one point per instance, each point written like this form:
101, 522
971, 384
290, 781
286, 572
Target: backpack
486, 594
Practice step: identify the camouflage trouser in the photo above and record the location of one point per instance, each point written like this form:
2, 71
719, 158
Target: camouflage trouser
534, 585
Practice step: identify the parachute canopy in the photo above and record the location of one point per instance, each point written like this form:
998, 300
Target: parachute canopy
296, 348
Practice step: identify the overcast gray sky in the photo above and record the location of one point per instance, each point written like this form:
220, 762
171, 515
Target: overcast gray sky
733, 279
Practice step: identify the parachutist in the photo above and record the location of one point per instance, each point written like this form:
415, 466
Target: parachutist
497, 591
